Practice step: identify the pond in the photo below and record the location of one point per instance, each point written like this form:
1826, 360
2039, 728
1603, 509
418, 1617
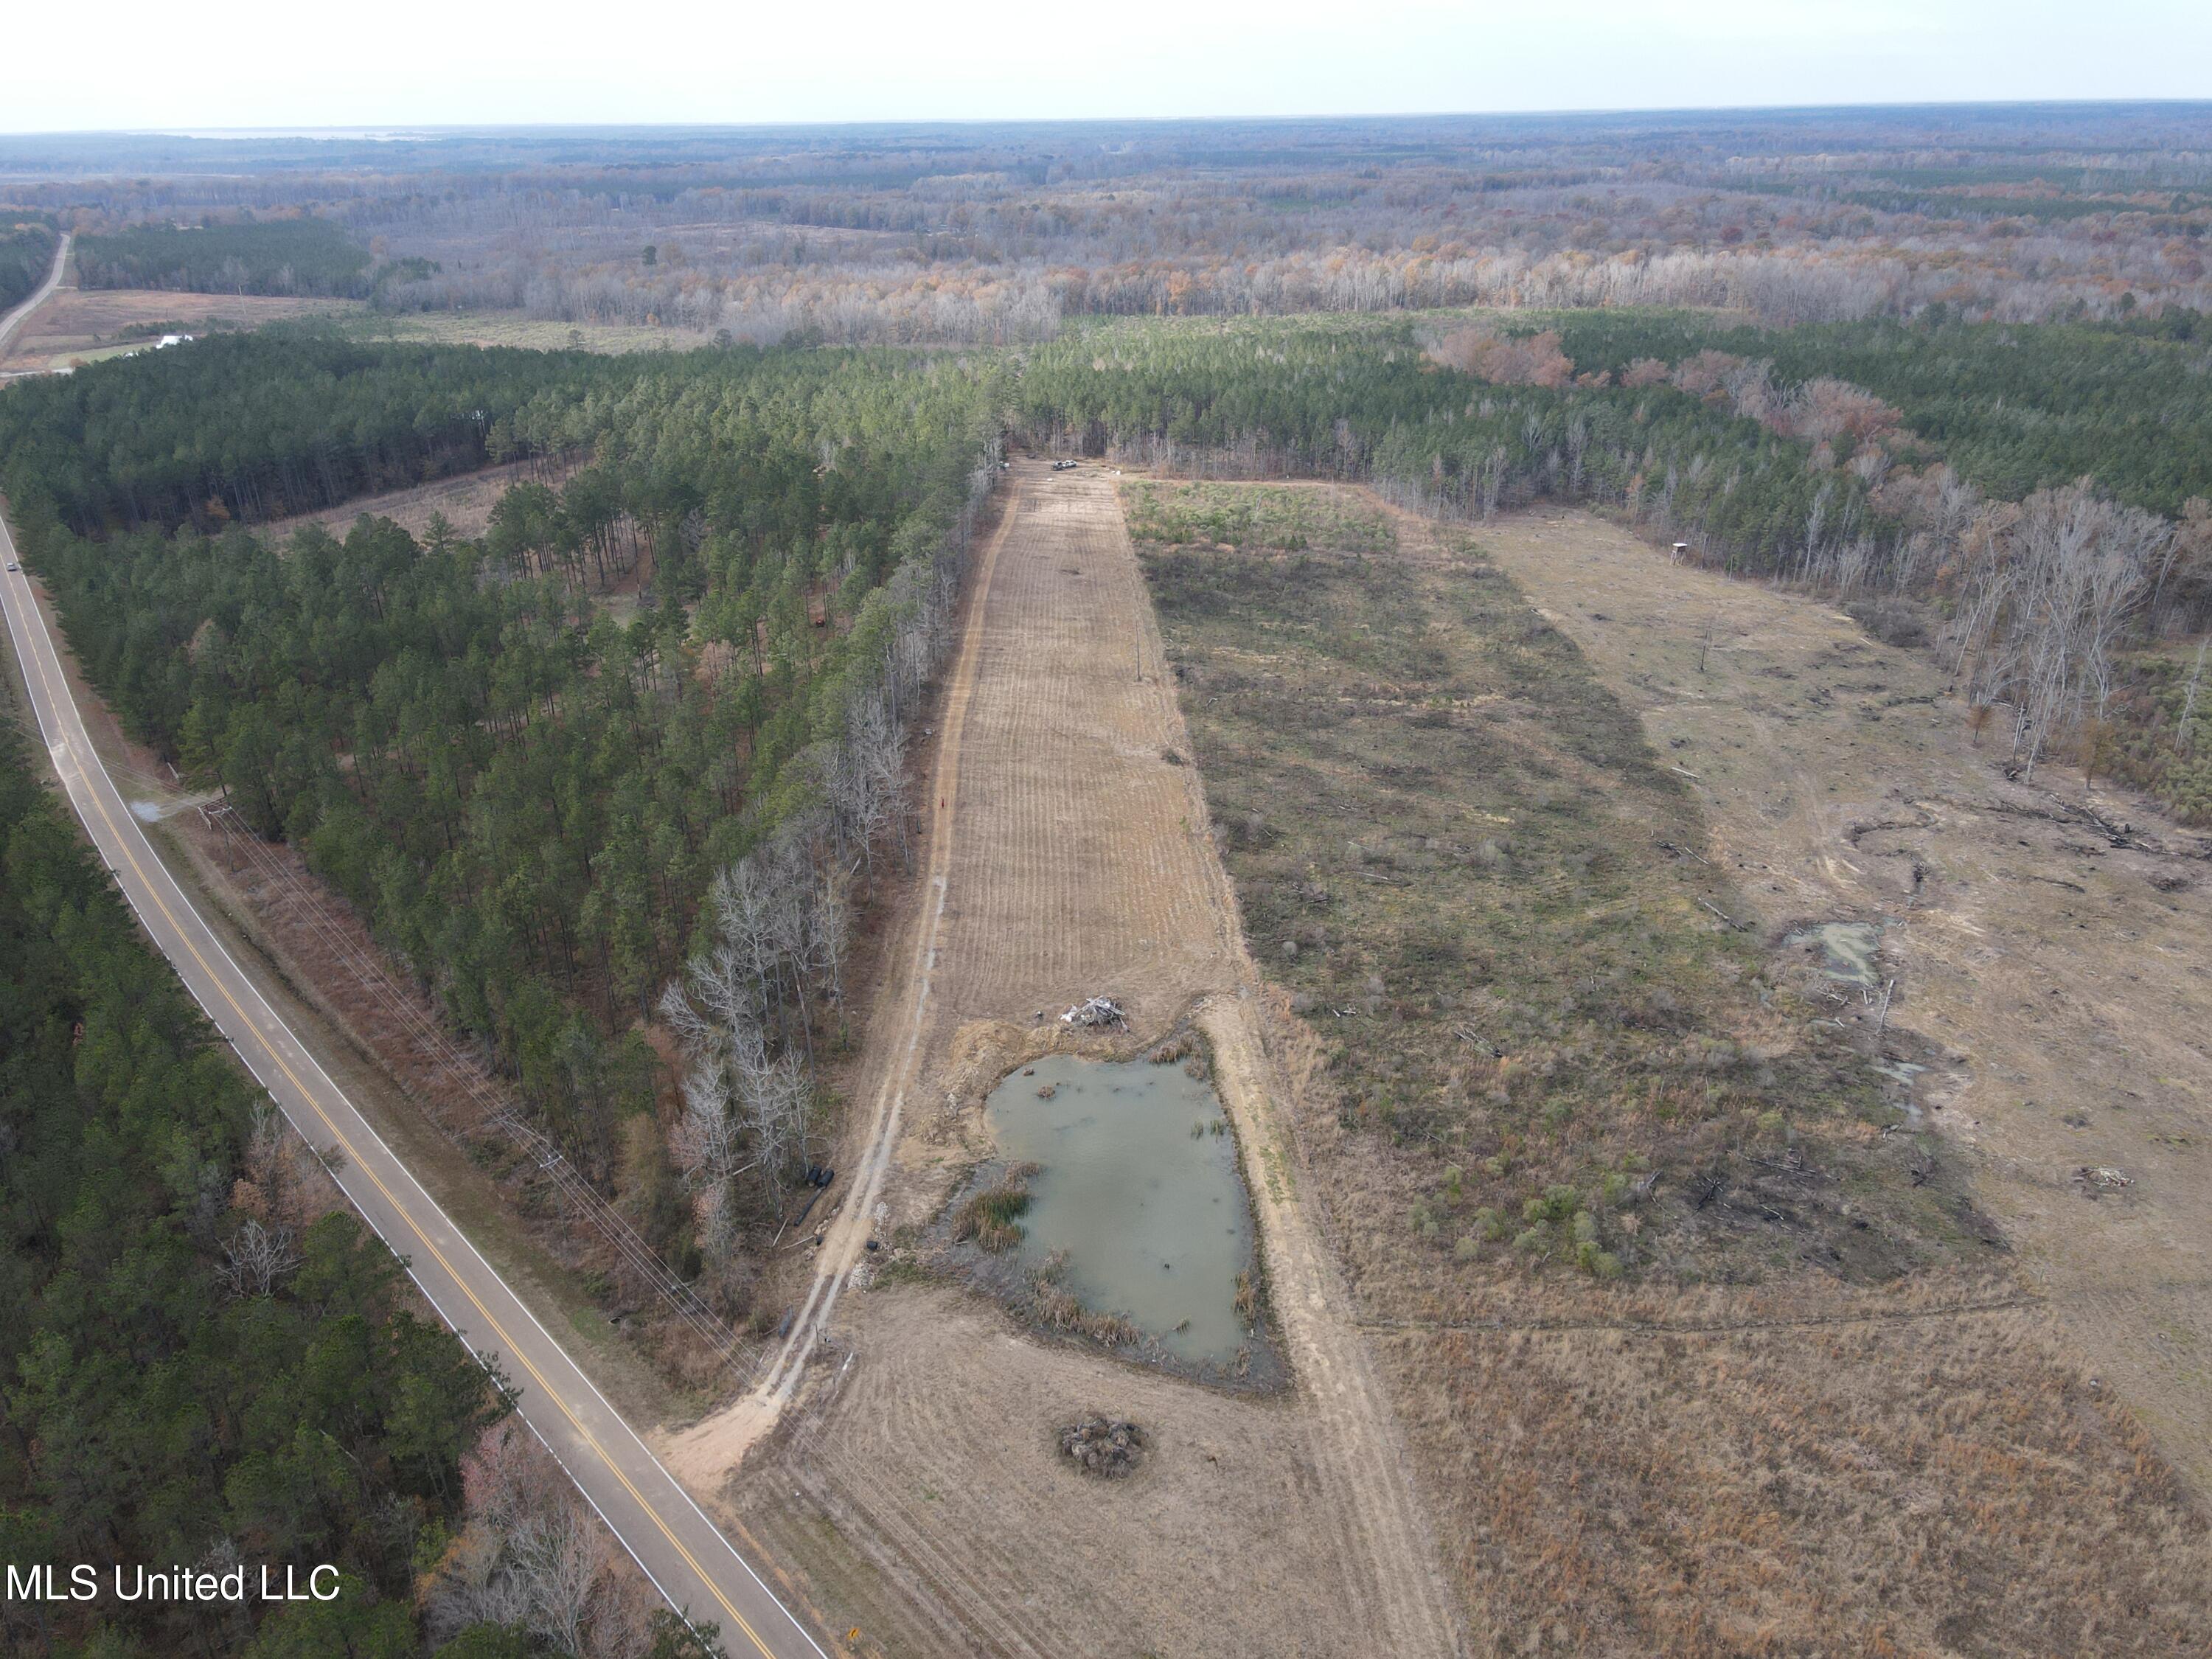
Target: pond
1137, 1184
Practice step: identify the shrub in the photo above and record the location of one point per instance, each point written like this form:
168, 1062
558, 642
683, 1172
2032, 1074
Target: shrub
1597, 1263
991, 1217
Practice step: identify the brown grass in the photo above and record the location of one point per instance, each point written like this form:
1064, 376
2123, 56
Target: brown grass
1896, 1454
991, 1217
1077, 863
85, 323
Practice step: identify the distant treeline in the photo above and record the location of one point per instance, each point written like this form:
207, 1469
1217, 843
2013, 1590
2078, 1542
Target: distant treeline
1363, 398
304, 256
194, 1368
2036, 584
27, 254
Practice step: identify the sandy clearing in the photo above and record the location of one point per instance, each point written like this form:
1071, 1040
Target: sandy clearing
1078, 861
2077, 990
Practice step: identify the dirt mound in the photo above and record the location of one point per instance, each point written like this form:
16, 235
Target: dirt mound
1103, 1448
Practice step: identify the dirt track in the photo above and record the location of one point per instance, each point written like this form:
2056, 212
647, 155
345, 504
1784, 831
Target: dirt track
917, 1484
2070, 976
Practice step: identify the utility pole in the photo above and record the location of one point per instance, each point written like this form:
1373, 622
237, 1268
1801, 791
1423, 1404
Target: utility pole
2189, 703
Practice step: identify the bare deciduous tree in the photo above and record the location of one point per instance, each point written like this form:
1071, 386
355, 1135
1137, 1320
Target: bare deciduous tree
256, 1257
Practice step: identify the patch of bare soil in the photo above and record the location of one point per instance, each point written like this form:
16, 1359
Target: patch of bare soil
85, 323
930, 1503
1071, 852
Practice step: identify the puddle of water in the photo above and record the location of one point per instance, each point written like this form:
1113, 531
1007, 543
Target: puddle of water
1152, 1218
1849, 947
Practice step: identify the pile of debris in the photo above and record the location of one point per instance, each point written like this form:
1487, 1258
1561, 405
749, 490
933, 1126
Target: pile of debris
1106, 1449
1098, 1013
2097, 1178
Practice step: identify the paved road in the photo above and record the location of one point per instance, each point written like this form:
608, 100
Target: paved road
14, 318
687, 1558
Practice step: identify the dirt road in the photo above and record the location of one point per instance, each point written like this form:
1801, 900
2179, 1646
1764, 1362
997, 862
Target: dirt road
2072, 978
14, 321
1070, 855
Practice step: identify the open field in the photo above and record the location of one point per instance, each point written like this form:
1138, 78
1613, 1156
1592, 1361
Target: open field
86, 325
1810, 1405
2071, 973
515, 328
1075, 860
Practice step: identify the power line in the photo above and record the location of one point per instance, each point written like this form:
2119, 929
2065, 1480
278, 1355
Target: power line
566, 1179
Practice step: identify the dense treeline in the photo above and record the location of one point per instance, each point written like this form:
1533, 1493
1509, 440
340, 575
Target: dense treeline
2036, 599
525, 781
196, 1365
304, 256
1364, 400
2014, 407
27, 254
244, 427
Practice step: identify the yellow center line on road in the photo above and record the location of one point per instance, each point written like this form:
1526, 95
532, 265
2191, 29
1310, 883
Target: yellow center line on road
507, 1342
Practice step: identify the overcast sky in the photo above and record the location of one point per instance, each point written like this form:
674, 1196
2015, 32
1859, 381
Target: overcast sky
311, 63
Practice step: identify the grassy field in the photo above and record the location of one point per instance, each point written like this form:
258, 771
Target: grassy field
1490, 903
1691, 1332
514, 328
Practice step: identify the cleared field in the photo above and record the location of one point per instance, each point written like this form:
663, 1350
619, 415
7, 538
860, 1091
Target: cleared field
1806, 1408
1080, 859
2073, 974
513, 328
1079, 862
85, 325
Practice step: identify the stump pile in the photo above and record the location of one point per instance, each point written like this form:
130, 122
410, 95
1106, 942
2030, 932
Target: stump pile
1101, 1447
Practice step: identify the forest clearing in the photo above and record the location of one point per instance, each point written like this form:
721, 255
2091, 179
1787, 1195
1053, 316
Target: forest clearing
85, 325
1527, 982
2062, 969
1076, 858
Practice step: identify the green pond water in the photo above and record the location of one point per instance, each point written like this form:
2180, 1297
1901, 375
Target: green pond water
1152, 1217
